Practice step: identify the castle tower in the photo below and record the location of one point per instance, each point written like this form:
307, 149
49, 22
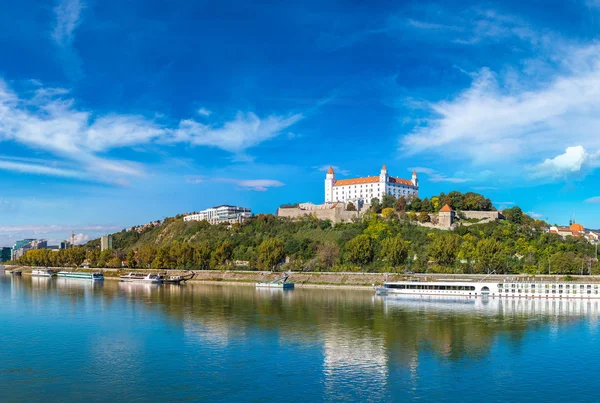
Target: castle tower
415, 179
383, 175
329, 182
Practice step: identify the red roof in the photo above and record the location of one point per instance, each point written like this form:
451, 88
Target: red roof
446, 209
371, 179
357, 181
384, 168
330, 170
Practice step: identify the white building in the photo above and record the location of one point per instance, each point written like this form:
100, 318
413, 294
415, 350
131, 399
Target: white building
365, 189
221, 214
106, 242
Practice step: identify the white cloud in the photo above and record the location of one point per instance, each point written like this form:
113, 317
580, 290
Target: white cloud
245, 131
514, 122
336, 169
572, 161
535, 215
47, 119
434, 176
81, 238
68, 14
259, 185
204, 112
195, 180
593, 200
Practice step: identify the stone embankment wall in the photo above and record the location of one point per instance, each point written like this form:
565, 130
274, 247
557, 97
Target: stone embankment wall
332, 279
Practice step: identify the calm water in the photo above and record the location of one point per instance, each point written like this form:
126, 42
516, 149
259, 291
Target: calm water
71, 340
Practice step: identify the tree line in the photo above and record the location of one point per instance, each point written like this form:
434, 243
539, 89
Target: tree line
375, 243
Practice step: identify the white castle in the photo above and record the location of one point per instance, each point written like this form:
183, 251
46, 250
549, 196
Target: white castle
364, 189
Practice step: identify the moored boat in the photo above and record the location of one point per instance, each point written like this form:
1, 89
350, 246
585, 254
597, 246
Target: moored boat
506, 288
280, 282
43, 272
81, 275
142, 278
177, 279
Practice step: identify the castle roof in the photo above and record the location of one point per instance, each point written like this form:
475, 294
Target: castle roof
384, 168
371, 179
446, 209
414, 173
330, 170
357, 181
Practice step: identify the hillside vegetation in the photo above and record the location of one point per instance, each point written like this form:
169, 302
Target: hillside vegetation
374, 244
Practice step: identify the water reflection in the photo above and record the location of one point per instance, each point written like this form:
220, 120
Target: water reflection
344, 344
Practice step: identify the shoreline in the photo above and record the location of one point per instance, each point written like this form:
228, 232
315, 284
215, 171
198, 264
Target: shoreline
346, 280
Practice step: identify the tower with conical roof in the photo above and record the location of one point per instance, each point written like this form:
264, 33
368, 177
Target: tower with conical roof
329, 182
383, 175
415, 179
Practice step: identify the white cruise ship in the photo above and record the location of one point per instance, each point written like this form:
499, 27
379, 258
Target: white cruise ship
43, 272
509, 288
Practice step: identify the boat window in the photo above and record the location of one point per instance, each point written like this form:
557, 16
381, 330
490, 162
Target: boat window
553, 291
589, 291
589, 286
560, 286
499, 285
547, 286
567, 286
547, 291
532, 285
581, 286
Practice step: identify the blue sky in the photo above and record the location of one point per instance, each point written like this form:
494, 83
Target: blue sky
115, 113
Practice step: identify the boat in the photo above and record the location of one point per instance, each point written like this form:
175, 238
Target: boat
505, 288
280, 282
142, 278
42, 272
15, 272
81, 275
177, 279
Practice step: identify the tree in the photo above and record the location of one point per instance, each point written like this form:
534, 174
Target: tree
415, 204
490, 255
375, 206
395, 250
388, 212
423, 217
114, 262
359, 250
130, 259
202, 256
426, 206
328, 254
513, 215
444, 249
222, 254
401, 204
350, 207
270, 253
412, 216
388, 201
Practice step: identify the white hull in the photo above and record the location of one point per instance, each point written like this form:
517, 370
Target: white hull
42, 273
141, 280
80, 276
509, 288
275, 285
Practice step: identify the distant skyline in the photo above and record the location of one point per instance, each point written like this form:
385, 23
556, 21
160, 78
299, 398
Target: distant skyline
114, 114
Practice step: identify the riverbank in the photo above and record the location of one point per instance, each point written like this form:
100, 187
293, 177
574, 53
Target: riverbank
328, 279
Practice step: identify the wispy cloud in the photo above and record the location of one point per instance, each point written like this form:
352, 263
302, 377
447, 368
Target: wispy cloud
67, 14
484, 188
593, 200
336, 169
204, 112
535, 215
195, 180
49, 120
258, 185
434, 176
497, 123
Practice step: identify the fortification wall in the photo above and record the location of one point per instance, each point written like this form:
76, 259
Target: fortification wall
335, 215
482, 215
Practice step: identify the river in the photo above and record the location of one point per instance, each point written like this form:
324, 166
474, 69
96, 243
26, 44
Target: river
71, 340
